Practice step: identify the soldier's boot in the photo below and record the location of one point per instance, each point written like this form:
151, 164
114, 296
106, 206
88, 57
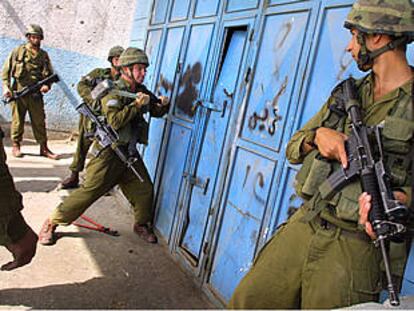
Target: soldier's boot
70, 182
45, 152
47, 233
16, 150
146, 233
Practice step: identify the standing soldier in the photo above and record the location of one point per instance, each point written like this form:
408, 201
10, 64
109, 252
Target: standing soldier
323, 257
26, 65
106, 170
15, 233
85, 86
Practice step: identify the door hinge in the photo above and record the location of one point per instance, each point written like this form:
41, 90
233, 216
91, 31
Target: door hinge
251, 35
205, 248
179, 67
247, 75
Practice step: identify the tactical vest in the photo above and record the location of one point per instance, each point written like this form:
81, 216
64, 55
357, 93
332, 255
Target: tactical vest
25, 72
397, 141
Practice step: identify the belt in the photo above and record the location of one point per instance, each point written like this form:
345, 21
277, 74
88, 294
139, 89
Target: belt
326, 225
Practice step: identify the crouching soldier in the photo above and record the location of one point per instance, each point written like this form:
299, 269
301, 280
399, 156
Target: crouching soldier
106, 170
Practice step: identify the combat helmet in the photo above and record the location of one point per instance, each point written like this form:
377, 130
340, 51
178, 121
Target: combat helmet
133, 56
390, 17
115, 51
34, 29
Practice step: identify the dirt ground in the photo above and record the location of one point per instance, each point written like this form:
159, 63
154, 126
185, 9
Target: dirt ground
87, 269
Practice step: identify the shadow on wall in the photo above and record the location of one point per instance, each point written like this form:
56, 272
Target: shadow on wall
70, 66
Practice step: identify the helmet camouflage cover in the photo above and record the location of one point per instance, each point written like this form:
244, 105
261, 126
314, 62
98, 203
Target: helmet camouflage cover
115, 51
391, 17
133, 56
34, 29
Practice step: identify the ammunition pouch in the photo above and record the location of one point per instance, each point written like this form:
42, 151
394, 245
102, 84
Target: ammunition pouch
311, 175
397, 140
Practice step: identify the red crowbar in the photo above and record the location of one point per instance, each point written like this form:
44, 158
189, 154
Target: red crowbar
96, 226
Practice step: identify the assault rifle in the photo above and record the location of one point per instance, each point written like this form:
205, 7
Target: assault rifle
108, 137
31, 88
387, 215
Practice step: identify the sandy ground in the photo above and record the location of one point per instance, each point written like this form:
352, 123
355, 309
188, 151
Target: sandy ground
88, 269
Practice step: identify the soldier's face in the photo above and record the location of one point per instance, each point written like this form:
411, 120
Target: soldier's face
34, 40
353, 46
138, 72
115, 62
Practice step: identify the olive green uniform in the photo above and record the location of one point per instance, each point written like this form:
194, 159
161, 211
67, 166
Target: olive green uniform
106, 170
12, 225
22, 68
321, 258
85, 86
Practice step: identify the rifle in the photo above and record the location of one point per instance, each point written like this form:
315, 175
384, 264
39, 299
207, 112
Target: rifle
31, 88
387, 215
108, 137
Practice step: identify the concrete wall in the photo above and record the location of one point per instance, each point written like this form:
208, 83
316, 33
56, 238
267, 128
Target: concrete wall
78, 35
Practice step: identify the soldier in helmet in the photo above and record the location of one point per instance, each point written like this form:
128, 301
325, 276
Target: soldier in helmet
323, 257
26, 65
85, 86
106, 170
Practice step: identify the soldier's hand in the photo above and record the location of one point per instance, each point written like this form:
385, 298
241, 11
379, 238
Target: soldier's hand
164, 100
142, 99
44, 89
331, 144
23, 251
364, 202
6, 93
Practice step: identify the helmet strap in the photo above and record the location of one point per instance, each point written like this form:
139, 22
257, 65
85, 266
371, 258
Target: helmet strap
129, 75
366, 57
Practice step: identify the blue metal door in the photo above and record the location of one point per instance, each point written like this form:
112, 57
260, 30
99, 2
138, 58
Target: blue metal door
210, 145
183, 123
169, 56
329, 64
257, 149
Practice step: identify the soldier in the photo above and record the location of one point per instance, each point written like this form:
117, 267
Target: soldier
106, 170
85, 86
26, 65
15, 233
323, 257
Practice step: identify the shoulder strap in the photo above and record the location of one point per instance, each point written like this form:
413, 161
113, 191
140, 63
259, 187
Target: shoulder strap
21, 52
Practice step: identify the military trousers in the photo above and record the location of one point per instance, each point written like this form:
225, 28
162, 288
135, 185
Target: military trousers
102, 174
12, 224
305, 265
36, 108
82, 147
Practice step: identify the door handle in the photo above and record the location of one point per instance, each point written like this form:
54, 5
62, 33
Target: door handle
197, 182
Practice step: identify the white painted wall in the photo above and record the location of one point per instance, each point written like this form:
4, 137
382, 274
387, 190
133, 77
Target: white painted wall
78, 35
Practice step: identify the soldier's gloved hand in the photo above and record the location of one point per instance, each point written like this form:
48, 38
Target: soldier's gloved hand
44, 89
23, 251
142, 100
164, 100
331, 144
